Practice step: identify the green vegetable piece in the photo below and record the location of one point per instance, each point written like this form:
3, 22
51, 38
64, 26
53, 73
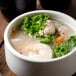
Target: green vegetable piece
45, 40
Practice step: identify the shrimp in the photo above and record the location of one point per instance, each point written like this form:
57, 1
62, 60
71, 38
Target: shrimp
49, 29
38, 51
59, 40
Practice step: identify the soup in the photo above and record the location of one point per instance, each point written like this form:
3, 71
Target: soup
40, 37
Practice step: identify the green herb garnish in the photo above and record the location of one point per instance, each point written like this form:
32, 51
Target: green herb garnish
32, 25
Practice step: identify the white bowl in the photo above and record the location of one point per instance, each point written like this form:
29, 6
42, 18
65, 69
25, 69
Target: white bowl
22, 66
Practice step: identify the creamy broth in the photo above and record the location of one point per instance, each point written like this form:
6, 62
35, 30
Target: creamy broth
31, 47
20, 40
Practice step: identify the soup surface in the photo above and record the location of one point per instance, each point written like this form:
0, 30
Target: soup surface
39, 37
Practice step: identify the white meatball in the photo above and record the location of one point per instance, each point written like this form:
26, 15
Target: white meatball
38, 51
49, 29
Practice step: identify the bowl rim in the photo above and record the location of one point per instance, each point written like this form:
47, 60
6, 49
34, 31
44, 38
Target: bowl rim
17, 54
